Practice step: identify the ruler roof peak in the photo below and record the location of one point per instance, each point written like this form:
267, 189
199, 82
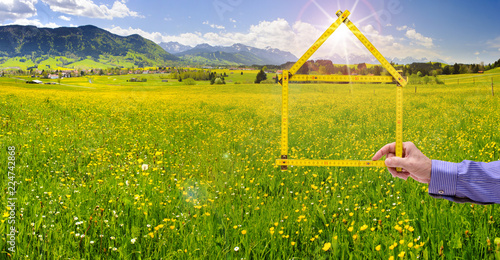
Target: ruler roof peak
343, 18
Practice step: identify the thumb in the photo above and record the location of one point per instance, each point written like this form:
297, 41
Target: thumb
396, 162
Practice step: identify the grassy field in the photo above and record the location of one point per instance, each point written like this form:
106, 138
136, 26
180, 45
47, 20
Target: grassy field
117, 170
56, 62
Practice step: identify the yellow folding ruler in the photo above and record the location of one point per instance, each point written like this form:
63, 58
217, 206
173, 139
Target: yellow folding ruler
290, 74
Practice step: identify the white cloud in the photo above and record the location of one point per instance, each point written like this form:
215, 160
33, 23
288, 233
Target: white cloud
476, 53
401, 28
65, 18
299, 36
88, 8
232, 20
154, 36
419, 38
17, 9
34, 22
215, 26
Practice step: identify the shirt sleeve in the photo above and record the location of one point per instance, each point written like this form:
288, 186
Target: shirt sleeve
468, 181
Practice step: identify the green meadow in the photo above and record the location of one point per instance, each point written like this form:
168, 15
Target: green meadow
110, 169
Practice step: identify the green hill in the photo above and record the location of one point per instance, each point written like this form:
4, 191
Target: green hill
30, 43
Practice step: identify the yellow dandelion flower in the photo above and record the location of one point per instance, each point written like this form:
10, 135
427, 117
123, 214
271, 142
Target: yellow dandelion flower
243, 232
378, 247
158, 227
327, 246
362, 228
350, 228
402, 254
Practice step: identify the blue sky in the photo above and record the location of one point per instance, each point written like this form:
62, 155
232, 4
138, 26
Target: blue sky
451, 30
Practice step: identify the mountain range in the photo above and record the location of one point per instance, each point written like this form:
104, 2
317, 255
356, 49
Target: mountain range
236, 54
357, 59
82, 41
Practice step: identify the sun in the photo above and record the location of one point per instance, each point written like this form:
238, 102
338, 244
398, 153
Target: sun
343, 41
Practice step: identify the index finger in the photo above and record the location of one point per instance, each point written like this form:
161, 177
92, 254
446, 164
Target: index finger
388, 148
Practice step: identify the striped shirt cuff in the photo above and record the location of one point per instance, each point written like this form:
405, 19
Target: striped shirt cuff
443, 178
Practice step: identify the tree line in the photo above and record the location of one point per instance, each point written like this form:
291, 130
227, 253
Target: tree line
326, 67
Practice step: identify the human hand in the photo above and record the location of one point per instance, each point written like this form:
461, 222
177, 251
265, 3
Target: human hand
414, 163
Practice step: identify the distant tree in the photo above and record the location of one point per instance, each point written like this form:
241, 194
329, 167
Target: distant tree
446, 70
189, 81
426, 79
322, 70
361, 66
409, 70
212, 78
260, 76
304, 69
464, 69
419, 74
456, 68
377, 71
219, 81
475, 69
495, 64
344, 70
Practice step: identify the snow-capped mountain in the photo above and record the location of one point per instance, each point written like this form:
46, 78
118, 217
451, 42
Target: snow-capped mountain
234, 54
174, 47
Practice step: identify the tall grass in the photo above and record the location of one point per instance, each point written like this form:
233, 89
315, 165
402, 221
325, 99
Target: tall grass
156, 172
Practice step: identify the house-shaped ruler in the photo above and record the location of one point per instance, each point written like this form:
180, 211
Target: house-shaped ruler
290, 74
